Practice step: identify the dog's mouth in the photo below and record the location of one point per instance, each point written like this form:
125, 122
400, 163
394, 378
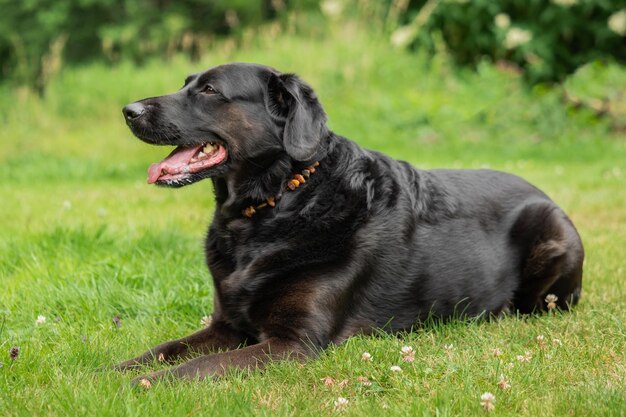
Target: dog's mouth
183, 162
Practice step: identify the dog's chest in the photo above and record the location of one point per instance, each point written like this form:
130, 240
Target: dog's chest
236, 300
244, 282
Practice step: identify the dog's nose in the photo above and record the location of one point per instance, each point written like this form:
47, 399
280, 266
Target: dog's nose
133, 111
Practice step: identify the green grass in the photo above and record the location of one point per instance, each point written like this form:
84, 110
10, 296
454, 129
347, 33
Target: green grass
85, 239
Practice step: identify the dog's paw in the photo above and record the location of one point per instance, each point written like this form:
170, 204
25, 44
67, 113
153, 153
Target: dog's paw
144, 382
148, 380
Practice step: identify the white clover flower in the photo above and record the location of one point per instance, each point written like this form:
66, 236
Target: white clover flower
556, 342
408, 354
341, 403
449, 347
496, 352
516, 37
551, 300
541, 341
409, 358
503, 384
145, 383
364, 380
40, 320
487, 401
366, 356
395, 368
502, 20
206, 321
526, 357
617, 22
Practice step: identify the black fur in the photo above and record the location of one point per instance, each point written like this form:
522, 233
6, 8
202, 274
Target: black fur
367, 242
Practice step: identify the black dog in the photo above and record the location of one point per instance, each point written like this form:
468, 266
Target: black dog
316, 239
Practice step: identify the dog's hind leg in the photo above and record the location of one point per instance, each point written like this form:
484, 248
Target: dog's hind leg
551, 258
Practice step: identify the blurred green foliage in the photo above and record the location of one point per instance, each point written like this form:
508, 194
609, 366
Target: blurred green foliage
546, 39
37, 36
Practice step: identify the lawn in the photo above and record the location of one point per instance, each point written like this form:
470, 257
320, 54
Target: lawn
84, 239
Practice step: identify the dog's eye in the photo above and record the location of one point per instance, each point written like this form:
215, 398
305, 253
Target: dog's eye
208, 89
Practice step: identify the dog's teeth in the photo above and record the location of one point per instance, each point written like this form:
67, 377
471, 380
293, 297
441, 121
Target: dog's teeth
210, 147
201, 155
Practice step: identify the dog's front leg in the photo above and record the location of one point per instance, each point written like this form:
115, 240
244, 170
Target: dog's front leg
251, 357
218, 336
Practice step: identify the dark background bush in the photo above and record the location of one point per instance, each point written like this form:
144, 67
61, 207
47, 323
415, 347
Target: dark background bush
564, 35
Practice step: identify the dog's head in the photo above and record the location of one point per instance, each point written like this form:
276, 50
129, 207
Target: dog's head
226, 117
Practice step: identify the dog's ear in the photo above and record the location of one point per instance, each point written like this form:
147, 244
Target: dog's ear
295, 104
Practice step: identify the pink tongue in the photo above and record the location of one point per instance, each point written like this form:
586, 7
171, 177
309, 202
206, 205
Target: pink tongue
173, 164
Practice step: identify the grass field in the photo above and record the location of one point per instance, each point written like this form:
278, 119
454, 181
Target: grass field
84, 239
